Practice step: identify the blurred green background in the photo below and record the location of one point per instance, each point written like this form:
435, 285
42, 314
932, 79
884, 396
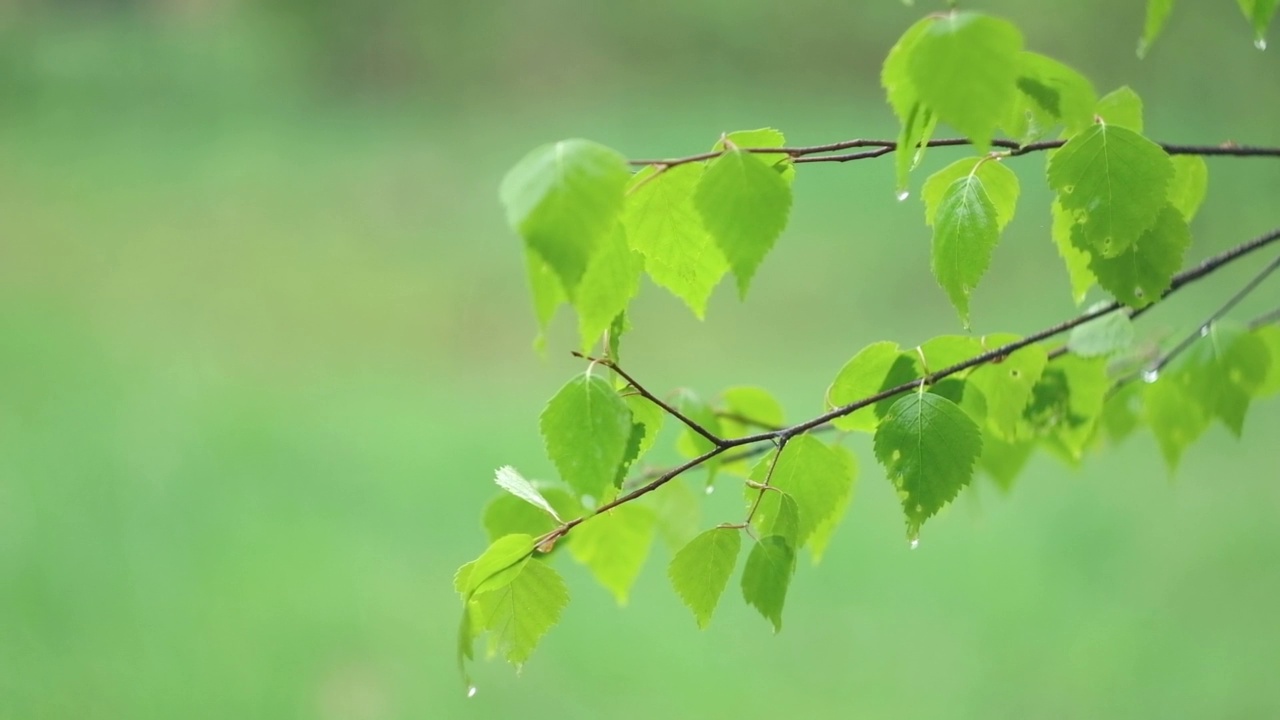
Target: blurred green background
264, 338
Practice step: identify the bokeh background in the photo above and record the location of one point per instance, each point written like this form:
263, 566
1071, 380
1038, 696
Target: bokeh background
264, 338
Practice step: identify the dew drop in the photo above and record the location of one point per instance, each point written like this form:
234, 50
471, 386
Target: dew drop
903, 195
711, 489
1204, 331
1150, 376
915, 543
1260, 43
471, 691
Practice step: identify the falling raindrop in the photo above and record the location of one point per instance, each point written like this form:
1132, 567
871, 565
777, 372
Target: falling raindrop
711, 489
1150, 376
471, 691
1260, 43
903, 195
915, 543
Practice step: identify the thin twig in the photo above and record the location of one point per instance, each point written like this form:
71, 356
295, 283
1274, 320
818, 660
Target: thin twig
822, 153
666, 407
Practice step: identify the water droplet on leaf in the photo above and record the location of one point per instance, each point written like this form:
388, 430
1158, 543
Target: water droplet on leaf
903, 195
711, 489
915, 543
1150, 376
1204, 331
1260, 43
471, 691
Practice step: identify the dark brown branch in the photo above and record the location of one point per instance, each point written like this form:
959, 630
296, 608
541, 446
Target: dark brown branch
823, 153
666, 407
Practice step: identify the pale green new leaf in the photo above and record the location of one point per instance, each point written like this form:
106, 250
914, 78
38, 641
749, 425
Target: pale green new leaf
1068, 401
513, 482
563, 199
1007, 385
822, 534
700, 571
678, 511
544, 286
1051, 94
1223, 371
1157, 14
1141, 274
1121, 107
506, 514
645, 413
1077, 260
1003, 461
814, 475
761, 138
1270, 337
1258, 13
767, 576
928, 446
614, 546
944, 351
963, 68
611, 280
690, 443
1103, 336
876, 367
967, 203
1114, 182
744, 205
496, 566
916, 120
1175, 418
586, 427
517, 615
1190, 181
663, 224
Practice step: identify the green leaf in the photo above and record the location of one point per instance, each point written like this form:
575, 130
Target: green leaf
1068, 401
548, 294
614, 546
1003, 461
814, 475
1114, 182
766, 577
1051, 94
762, 138
586, 427
1077, 260
1007, 385
1223, 371
1258, 13
1189, 184
1175, 419
944, 351
1120, 414
1103, 336
1121, 107
1142, 273
563, 199
1157, 13
678, 512
754, 403
967, 203
611, 280
876, 367
513, 482
1270, 337
663, 224
744, 205
963, 69
645, 413
497, 565
700, 571
928, 446
826, 529
916, 120
507, 515
518, 614
690, 444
